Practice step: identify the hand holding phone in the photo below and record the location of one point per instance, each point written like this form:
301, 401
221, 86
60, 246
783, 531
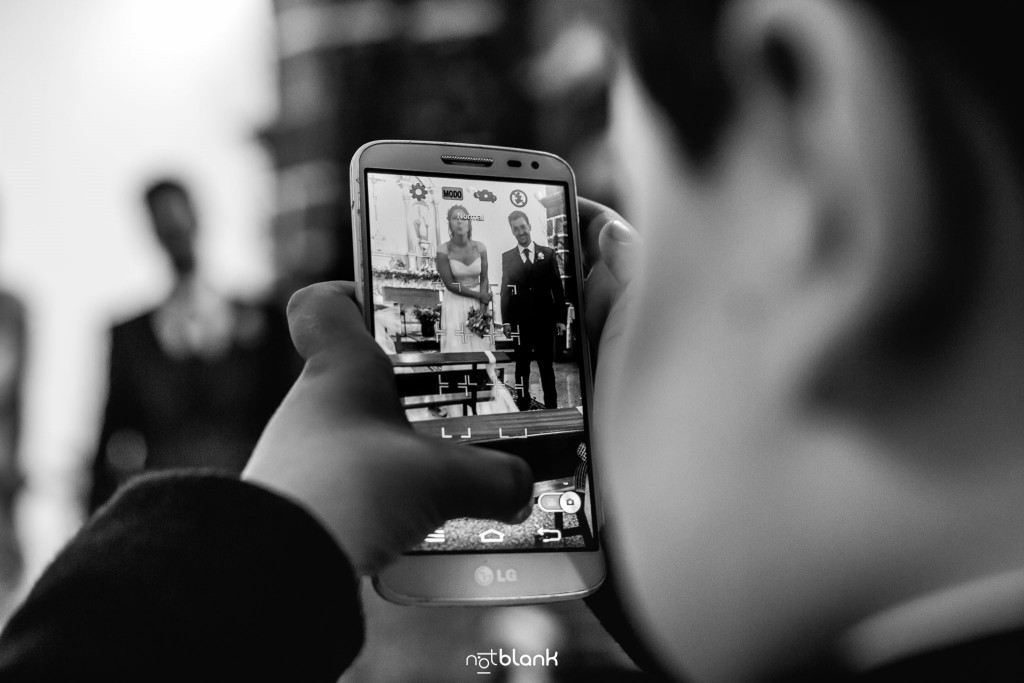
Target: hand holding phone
340, 446
440, 230
612, 251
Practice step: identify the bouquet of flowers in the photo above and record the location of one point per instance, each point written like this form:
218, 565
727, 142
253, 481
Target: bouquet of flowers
480, 320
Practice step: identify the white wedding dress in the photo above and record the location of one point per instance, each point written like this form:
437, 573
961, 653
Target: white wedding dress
455, 336
455, 332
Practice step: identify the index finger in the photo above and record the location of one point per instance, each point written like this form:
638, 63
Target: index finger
593, 217
591, 210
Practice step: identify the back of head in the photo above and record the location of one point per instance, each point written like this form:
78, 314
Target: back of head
673, 45
820, 348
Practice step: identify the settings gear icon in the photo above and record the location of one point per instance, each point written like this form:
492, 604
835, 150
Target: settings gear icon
418, 191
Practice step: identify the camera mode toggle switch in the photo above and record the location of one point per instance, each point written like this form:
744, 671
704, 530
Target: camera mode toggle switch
568, 501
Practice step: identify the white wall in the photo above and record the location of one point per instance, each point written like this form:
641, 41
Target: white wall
96, 97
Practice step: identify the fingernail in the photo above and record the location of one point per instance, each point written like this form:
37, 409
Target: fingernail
619, 231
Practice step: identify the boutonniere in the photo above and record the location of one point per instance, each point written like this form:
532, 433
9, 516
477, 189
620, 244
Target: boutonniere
540, 256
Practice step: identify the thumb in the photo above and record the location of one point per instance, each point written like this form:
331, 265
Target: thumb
619, 244
484, 484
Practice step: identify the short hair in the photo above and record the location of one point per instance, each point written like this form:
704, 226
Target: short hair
519, 214
465, 214
672, 44
673, 48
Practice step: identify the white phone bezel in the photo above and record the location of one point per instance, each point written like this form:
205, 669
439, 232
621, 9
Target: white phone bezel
460, 578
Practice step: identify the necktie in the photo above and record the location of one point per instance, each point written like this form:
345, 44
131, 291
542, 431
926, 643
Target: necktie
526, 255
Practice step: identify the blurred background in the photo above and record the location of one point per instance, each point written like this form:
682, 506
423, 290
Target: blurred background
244, 114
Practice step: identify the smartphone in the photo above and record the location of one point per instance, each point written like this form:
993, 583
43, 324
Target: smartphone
469, 267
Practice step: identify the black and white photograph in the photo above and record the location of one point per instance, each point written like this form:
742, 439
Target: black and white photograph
532, 341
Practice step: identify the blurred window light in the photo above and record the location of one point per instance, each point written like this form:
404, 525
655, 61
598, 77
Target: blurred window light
577, 58
305, 29
434, 21
308, 184
361, 22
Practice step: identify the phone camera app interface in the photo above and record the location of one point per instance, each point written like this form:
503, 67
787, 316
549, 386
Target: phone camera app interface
475, 299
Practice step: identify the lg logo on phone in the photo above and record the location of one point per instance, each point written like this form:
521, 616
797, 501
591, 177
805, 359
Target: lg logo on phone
485, 576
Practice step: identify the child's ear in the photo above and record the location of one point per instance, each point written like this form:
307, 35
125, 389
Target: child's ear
821, 90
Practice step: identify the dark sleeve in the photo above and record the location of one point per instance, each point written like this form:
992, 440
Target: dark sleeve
190, 577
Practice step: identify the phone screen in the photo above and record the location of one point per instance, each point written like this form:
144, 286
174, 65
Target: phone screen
475, 292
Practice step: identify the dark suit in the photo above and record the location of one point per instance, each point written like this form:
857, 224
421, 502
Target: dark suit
532, 302
13, 343
165, 412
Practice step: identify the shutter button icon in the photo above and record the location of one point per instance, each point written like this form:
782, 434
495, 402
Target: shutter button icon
568, 501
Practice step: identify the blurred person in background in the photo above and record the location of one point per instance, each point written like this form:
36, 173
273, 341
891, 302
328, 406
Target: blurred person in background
812, 360
12, 372
193, 381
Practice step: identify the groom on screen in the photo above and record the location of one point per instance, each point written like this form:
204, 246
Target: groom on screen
532, 308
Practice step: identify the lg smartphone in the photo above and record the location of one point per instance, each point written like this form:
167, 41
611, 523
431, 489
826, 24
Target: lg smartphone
469, 266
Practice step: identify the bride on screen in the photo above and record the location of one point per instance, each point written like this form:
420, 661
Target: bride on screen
462, 265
